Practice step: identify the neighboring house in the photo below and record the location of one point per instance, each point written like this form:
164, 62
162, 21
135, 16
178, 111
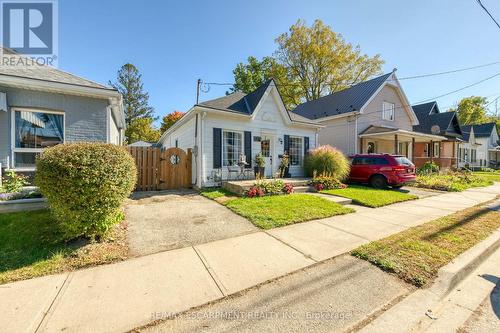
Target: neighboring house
371, 117
41, 106
480, 147
432, 121
141, 144
222, 130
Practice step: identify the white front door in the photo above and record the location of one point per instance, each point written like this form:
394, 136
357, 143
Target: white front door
267, 150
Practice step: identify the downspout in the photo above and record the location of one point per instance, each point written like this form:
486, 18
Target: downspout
356, 134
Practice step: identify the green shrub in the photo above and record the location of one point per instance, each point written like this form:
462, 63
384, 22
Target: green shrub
321, 183
428, 168
453, 181
85, 185
13, 183
271, 187
327, 161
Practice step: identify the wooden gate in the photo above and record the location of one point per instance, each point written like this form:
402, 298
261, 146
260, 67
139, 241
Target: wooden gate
161, 170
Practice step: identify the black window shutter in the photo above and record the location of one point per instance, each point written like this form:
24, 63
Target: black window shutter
286, 143
217, 141
306, 145
248, 149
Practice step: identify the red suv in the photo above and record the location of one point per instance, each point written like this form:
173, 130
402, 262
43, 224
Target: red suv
380, 170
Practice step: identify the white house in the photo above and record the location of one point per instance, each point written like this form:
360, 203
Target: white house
219, 131
480, 147
374, 116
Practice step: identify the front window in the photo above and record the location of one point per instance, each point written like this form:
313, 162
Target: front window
232, 147
388, 111
32, 132
435, 150
295, 151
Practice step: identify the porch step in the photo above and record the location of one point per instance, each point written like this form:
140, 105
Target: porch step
302, 189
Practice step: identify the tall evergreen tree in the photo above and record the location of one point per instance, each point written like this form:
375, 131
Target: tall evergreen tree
135, 99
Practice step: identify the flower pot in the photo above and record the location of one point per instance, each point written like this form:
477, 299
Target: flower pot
259, 171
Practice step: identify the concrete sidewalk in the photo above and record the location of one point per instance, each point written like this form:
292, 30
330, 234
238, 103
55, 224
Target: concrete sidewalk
125, 295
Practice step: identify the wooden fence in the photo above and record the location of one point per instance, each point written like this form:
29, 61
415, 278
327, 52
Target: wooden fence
162, 170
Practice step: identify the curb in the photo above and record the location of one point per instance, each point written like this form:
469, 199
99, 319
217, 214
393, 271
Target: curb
415, 305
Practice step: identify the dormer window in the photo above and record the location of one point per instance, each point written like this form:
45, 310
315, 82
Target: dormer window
388, 111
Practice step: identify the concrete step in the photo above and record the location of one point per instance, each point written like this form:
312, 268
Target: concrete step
302, 189
340, 200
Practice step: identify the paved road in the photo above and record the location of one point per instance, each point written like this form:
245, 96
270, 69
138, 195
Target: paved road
331, 296
486, 318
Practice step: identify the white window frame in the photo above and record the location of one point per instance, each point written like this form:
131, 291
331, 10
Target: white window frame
388, 108
13, 147
301, 150
242, 150
434, 150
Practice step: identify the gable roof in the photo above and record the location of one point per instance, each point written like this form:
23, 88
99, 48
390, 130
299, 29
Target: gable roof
344, 101
483, 130
42, 72
429, 116
239, 102
425, 109
480, 131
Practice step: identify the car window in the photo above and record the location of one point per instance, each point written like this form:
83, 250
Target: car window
380, 161
402, 160
357, 161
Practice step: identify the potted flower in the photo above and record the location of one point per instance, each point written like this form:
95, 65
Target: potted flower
260, 164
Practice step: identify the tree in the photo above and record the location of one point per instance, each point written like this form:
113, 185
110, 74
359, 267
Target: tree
135, 99
170, 119
472, 110
141, 129
310, 62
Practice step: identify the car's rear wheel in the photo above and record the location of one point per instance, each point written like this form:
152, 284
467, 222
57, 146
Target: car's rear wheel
378, 181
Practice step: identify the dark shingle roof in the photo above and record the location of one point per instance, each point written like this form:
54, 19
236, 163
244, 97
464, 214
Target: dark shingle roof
347, 100
42, 72
483, 130
246, 103
425, 109
238, 101
429, 116
480, 131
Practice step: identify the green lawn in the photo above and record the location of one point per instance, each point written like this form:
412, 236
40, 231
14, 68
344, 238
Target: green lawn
214, 192
30, 246
371, 197
280, 210
452, 182
415, 255
493, 176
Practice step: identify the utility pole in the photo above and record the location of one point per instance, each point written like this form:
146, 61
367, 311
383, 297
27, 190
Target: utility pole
198, 85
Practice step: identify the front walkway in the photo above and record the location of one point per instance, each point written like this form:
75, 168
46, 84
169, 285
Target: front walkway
121, 296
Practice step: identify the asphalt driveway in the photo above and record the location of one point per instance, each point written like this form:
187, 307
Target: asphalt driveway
166, 220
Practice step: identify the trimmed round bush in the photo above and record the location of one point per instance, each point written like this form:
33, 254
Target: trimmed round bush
327, 161
85, 185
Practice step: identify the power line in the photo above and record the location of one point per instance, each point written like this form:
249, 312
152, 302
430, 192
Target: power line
487, 12
401, 78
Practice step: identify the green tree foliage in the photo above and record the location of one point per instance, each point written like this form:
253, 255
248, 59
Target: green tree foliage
170, 119
135, 99
472, 110
309, 62
85, 185
141, 129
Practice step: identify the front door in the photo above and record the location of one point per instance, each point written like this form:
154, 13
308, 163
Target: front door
267, 150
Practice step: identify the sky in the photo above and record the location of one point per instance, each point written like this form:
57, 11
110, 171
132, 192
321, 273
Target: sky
173, 43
